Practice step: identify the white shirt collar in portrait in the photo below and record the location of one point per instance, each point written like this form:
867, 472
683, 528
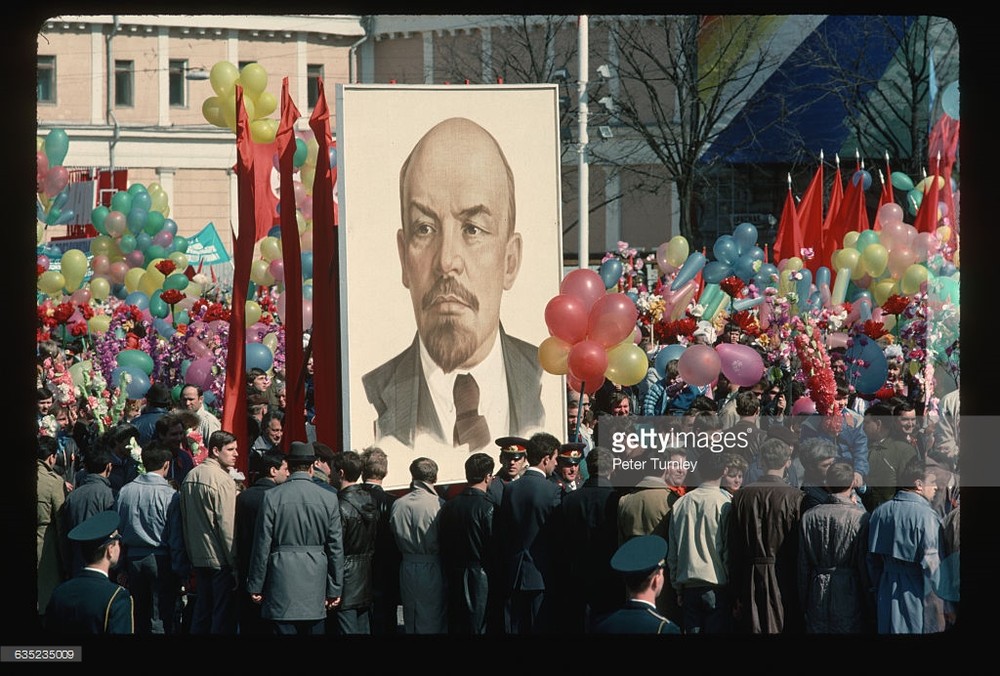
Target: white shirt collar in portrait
491, 377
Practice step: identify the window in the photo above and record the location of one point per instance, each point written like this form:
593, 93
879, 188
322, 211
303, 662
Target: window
178, 84
46, 79
124, 83
315, 74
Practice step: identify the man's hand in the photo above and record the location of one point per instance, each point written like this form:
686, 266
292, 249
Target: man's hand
333, 603
859, 480
257, 598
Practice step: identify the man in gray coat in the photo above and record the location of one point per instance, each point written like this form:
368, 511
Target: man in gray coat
297, 560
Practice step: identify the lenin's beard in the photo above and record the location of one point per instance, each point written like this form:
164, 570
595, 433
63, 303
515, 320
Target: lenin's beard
449, 340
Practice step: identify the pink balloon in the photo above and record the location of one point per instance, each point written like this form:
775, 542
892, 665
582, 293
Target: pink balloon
612, 319
307, 207
588, 360
699, 365
200, 372
43, 261
135, 258
925, 244
890, 212
81, 296
742, 364
163, 238
99, 264
637, 336
56, 180
197, 348
836, 340
41, 168
115, 223
307, 314
277, 269
803, 406
117, 271
586, 285
901, 258
566, 317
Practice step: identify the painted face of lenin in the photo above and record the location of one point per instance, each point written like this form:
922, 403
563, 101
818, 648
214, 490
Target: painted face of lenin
457, 245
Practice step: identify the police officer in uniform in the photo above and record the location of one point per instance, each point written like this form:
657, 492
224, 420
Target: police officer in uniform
567, 473
641, 561
91, 603
512, 466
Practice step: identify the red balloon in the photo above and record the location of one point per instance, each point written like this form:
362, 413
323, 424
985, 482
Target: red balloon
699, 365
590, 387
566, 317
55, 181
586, 285
612, 319
588, 360
741, 364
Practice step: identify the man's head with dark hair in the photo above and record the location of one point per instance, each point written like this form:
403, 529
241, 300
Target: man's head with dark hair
618, 404
47, 447
158, 396
817, 455
155, 455
170, 429
600, 462
262, 464
703, 403
97, 459
706, 421
220, 438
348, 462
324, 452
541, 446
376, 463
747, 404
840, 477
774, 454
478, 466
45, 400
424, 469
711, 466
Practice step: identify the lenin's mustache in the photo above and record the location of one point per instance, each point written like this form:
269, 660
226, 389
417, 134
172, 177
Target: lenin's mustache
449, 286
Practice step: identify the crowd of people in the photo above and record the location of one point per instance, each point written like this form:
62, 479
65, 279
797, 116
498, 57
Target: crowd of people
802, 526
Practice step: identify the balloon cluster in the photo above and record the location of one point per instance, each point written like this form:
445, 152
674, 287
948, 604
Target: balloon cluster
592, 335
220, 110
52, 179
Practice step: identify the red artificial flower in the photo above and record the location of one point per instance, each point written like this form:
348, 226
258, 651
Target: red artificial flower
172, 296
63, 312
166, 266
848, 306
78, 329
874, 329
747, 322
732, 285
41, 335
884, 393
86, 310
266, 318
39, 269
895, 304
131, 341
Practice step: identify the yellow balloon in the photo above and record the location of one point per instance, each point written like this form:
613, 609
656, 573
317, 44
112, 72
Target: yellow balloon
955, 260
267, 103
39, 233
252, 312
100, 287
180, 260
849, 258
101, 245
312, 152
912, 278
261, 131
677, 250
943, 233
875, 258
194, 290
308, 176
888, 322
785, 281
159, 200
300, 221
881, 290
260, 273
627, 363
553, 355
270, 248
99, 323
151, 282
271, 341
850, 238
51, 282
132, 278
253, 77
223, 77
74, 268
211, 110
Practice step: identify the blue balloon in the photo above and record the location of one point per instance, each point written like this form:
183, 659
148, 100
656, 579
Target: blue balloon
141, 200
726, 250
136, 220
744, 268
665, 356
307, 265
867, 367
333, 157
138, 384
275, 232
633, 295
307, 291
164, 327
209, 397
745, 235
169, 225
823, 276
715, 272
864, 177
259, 356
767, 276
138, 299
143, 241
740, 304
803, 286
611, 272
692, 266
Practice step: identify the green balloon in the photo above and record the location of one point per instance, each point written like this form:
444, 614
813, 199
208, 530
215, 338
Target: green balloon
138, 358
97, 217
301, 153
136, 188
154, 222
180, 243
913, 200
155, 251
176, 281
865, 238
56, 147
901, 181
127, 243
121, 201
157, 307
181, 317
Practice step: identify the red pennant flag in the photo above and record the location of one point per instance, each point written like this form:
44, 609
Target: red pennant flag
887, 184
234, 405
265, 203
943, 144
810, 212
788, 242
327, 367
885, 197
291, 256
830, 243
927, 214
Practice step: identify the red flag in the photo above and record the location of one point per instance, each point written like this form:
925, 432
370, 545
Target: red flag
927, 214
887, 184
852, 214
265, 203
291, 256
885, 197
830, 243
810, 212
943, 144
234, 405
788, 242
327, 365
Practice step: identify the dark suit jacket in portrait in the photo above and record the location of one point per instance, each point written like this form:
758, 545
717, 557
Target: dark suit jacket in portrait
399, 393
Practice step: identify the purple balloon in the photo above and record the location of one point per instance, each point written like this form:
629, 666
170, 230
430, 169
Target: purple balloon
164, 239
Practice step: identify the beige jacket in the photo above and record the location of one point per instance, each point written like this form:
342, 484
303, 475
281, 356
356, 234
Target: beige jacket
208, 512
